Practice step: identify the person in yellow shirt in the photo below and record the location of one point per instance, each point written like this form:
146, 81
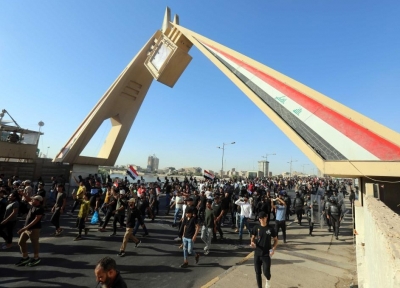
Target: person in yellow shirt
79, 195
82, 216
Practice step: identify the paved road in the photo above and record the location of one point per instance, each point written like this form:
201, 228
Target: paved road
66, 263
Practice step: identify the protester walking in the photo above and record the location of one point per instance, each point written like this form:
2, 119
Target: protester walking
9, 221
245, 213
280, 215
31, 230
208, 227
261, 241
191, 229
133, 215
83, 216
58, 209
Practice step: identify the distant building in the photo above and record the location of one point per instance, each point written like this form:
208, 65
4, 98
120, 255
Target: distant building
152, 163
252, 174
193, 170
263, 166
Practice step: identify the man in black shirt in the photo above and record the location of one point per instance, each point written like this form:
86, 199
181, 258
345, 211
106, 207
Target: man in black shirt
218, 213
133, 215
107, 274
58, 209
261, 241
225, 203
111, 207
191, 229
41, 192
31, 230
143, 206
201, 206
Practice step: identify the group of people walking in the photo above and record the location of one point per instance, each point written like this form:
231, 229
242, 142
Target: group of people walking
199, 207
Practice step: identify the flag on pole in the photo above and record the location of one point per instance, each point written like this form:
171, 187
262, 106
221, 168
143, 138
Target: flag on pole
132, 172
208, 175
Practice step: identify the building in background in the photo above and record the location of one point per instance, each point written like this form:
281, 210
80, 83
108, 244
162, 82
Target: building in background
152, 163
263, 166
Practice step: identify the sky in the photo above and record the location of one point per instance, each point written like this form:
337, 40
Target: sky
57, 58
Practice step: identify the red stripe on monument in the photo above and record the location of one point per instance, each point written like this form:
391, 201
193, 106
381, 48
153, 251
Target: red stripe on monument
370, 141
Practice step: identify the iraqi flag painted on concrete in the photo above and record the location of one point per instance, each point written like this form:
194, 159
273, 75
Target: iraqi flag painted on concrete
208, 175
132, 172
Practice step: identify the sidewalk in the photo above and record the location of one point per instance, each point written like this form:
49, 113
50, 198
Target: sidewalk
305, 261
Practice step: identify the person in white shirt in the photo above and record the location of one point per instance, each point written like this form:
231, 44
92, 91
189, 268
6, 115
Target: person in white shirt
178, 206
245, 213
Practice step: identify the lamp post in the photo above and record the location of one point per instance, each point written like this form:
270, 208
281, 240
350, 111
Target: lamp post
41, 124
266, 163
223, 152
291, 161
303, 167
47, 153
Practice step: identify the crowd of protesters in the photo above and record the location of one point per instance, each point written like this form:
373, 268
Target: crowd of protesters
198, 206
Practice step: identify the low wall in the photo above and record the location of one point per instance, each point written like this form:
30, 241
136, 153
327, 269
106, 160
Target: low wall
378, 245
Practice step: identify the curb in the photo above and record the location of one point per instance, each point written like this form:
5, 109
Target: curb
223, 274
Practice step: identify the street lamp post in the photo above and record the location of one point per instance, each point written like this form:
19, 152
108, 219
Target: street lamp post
291, 161
47, 153
303, 165
223, 152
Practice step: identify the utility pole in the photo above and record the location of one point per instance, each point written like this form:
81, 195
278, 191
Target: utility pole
223, 152
291, 161
303, 165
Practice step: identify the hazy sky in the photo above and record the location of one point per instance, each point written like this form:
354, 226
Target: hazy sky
57, 58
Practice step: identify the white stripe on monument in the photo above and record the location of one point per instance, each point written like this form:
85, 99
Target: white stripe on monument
350, 149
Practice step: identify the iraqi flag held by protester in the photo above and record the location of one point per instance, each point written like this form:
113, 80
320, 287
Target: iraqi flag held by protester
208, 175
132, 172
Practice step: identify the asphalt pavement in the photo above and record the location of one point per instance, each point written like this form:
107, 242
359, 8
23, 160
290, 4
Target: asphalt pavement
68, 263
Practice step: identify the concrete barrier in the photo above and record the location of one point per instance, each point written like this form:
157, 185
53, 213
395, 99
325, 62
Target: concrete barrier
378, 245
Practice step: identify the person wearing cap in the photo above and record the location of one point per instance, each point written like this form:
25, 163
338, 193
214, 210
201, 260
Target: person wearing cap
261, 240
31, 230
280, 215
58, 209
208, 226
190, 230
133, 215
246, 212
119, 212
83, 214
